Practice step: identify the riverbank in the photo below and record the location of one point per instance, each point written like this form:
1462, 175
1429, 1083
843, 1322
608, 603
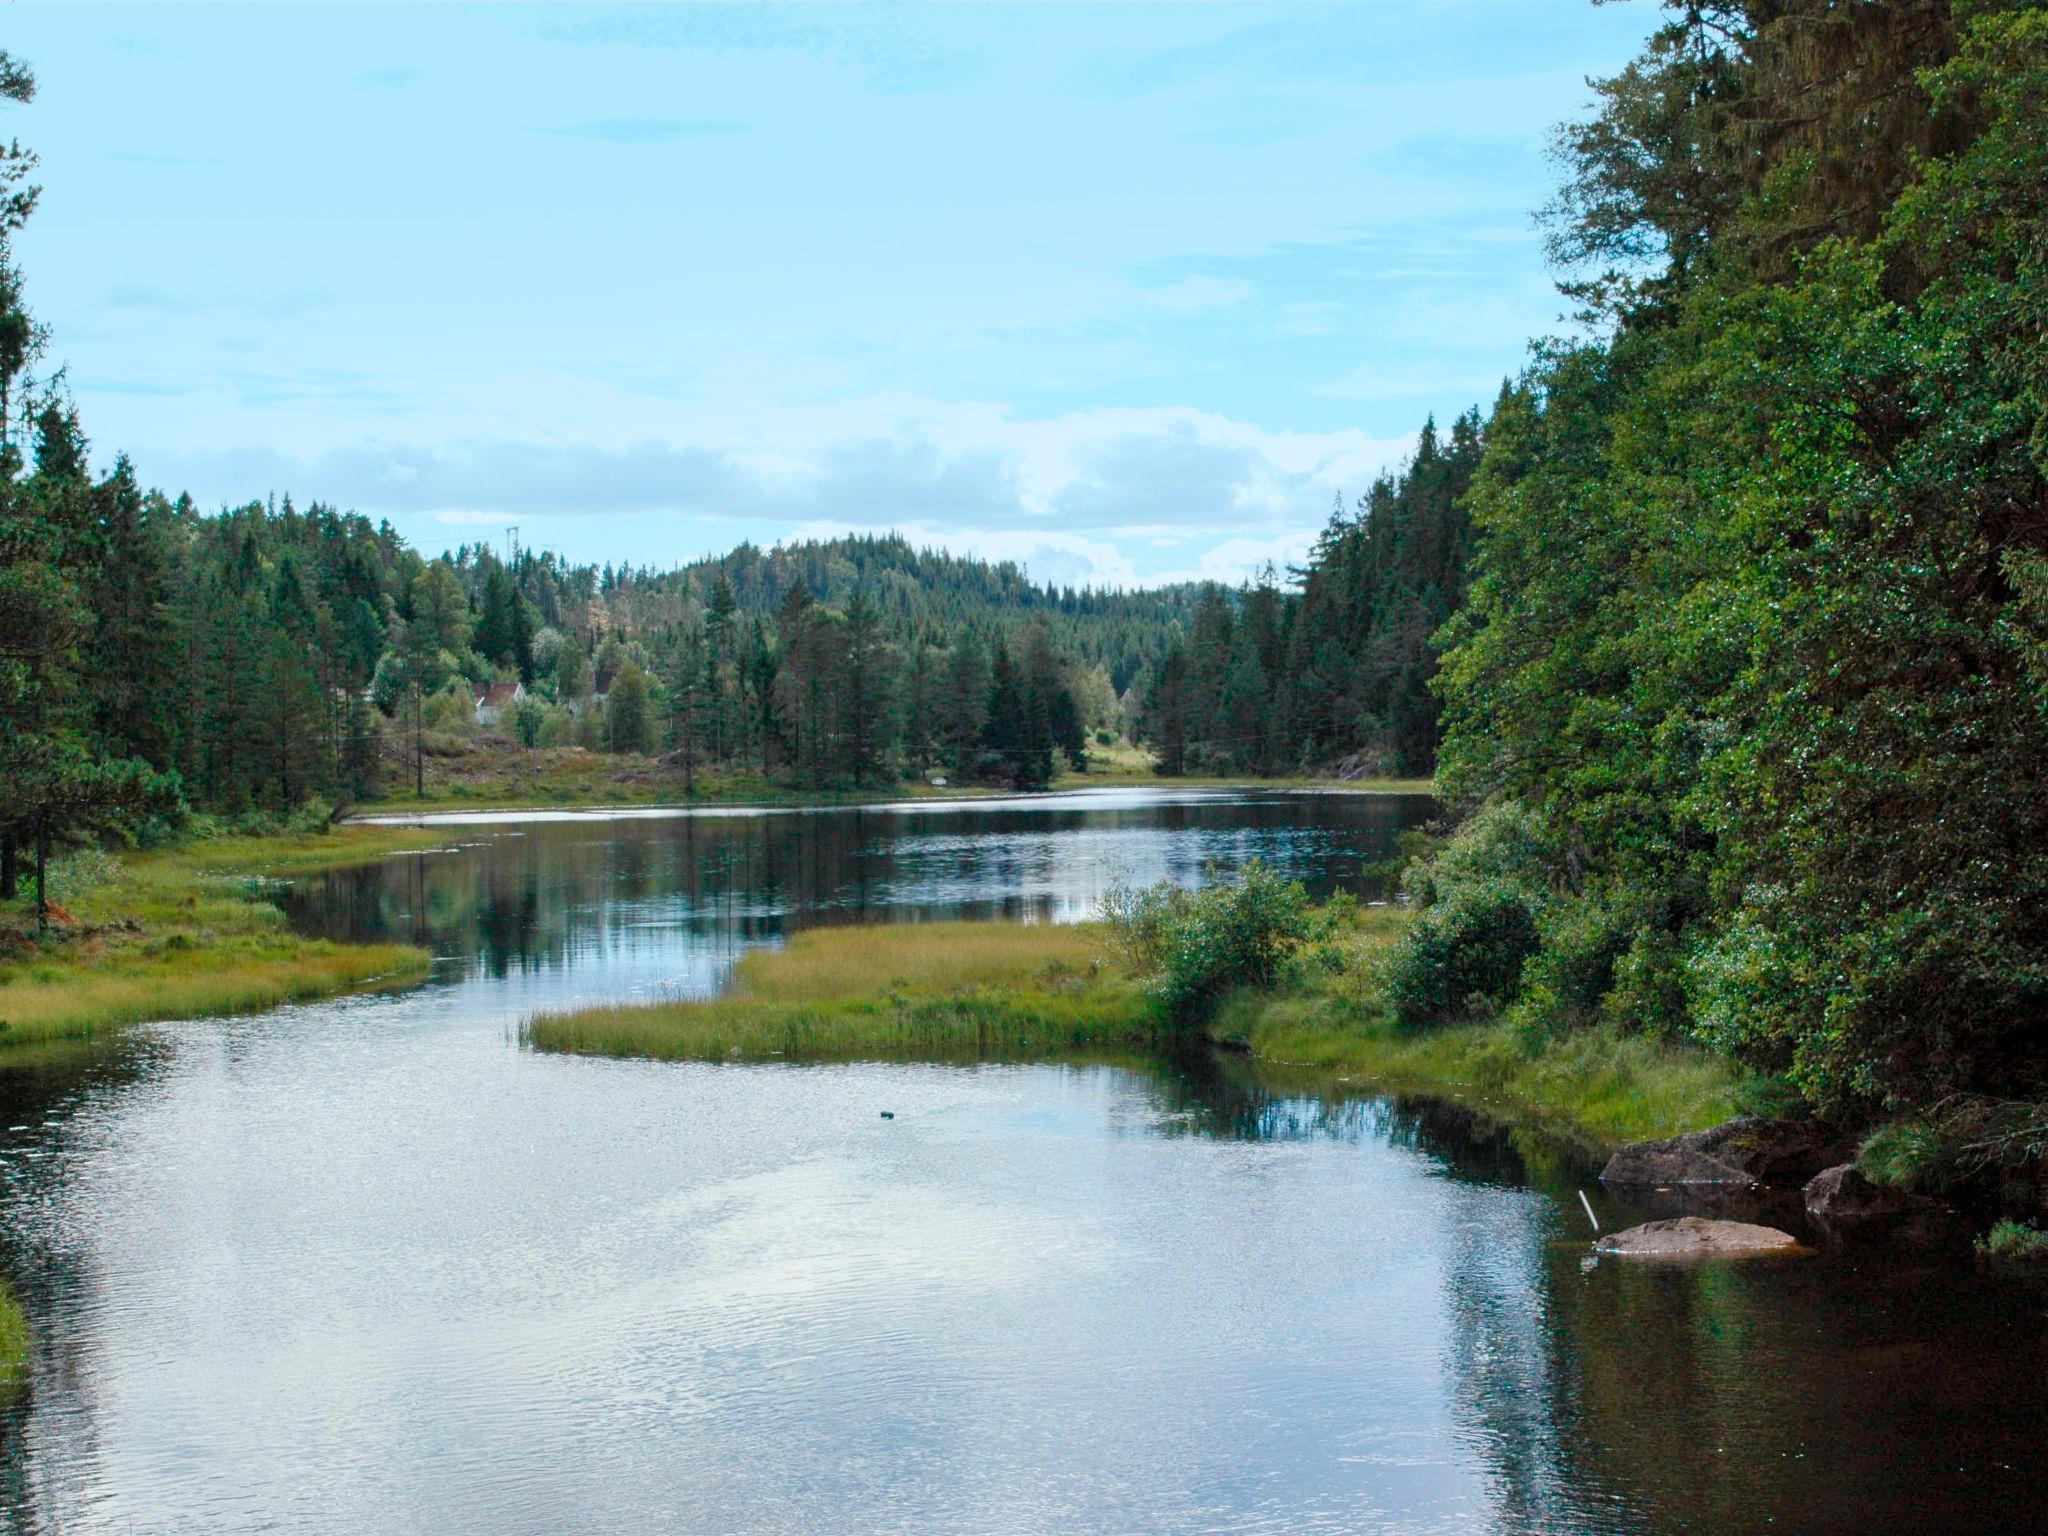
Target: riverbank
962, 991
187, 932
497, 776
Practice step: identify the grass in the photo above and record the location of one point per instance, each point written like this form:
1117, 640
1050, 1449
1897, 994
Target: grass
14, 1343
920, 991
1597, 1087
189, 932
493, 773
969, 991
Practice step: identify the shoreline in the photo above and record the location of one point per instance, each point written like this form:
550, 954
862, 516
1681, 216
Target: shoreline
189, 932
1023, 991
454, 808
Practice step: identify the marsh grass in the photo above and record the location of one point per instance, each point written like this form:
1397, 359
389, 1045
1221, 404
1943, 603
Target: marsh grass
913, 991
15, 1344
190, 932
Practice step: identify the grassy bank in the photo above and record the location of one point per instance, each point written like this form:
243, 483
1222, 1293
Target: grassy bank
188, 932
922, 991
964, 991
490, 773
1597, 1087
14, 1343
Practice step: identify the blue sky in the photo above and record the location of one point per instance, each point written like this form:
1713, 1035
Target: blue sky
1129, 294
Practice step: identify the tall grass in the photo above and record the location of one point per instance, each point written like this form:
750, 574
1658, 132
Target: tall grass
15, 1344
188, 932
924, 991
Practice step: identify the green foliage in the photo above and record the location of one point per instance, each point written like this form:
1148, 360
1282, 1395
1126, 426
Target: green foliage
1464, 956
2014, 1240
1232, 932
1755, 629
628, 718
1910, 1154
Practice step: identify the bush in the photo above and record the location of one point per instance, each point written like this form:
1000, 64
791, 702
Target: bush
2014, 1240
1232, 933
1907, 1154
1464, 955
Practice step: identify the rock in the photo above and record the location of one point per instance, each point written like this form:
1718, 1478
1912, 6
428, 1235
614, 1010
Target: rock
1745, 1150
1694, 1237
1842, 1197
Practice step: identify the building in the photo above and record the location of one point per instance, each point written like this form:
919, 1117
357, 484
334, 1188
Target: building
494, 699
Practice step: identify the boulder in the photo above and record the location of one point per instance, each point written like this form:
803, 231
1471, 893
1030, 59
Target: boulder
1694, 1237
1842, 1197
1745, 1150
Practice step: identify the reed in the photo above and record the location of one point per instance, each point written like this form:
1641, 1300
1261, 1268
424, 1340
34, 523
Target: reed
15, 1344
920, 991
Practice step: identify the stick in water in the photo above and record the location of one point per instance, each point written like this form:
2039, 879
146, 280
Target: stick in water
1589, 1210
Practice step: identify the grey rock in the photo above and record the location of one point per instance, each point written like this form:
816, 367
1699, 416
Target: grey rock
1695, 1237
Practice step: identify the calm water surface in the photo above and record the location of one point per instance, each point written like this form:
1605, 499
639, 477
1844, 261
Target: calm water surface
371, 1266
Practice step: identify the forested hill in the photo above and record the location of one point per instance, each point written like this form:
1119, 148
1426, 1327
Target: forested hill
928, 592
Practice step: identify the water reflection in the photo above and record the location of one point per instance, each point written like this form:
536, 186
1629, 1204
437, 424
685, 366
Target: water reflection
668, 899
369, 1266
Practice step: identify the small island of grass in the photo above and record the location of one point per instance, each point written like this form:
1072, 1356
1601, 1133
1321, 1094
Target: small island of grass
918, 991
1312, 1010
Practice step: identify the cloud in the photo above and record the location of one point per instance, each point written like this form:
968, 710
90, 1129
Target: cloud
1095, 496
646, 130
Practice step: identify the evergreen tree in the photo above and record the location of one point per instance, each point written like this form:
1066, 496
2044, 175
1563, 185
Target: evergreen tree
628, 720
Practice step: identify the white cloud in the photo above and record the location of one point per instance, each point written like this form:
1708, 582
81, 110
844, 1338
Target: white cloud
1084, 496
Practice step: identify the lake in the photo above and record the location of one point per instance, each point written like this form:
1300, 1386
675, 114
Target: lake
370, 1265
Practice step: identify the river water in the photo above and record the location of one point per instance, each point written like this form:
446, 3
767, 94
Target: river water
371, 1265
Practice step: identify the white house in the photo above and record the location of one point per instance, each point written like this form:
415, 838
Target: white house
494, 699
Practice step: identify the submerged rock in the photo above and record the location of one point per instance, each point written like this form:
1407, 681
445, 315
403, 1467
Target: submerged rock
1842, 1197
1745, 1150
1695, 1237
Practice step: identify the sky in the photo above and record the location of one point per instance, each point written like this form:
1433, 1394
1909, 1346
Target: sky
1128, 294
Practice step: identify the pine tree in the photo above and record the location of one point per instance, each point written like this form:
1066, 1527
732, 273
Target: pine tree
961, 712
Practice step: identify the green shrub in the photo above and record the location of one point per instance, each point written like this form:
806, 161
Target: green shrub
1908, 1154
1198, 945
1464, 955
1568, 977
2014, 1240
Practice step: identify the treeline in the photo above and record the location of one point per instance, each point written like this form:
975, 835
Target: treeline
156, 661
1336, 673
1748, 705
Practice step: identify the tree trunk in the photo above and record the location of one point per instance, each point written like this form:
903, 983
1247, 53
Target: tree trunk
10, 868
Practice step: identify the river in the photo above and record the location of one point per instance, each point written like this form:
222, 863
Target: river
371, 1265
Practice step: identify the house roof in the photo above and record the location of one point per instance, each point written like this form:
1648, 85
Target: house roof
497, 695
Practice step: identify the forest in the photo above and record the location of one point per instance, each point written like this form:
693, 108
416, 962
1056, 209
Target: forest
1724, 627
